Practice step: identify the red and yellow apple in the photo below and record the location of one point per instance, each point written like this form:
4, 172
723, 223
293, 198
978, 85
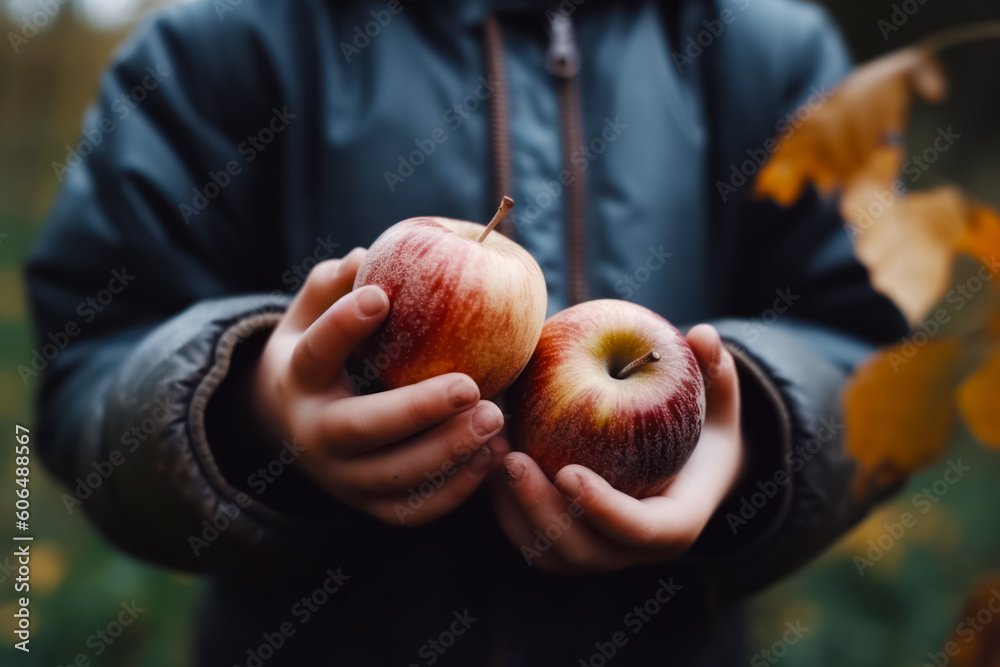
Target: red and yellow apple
614, 387
461, 300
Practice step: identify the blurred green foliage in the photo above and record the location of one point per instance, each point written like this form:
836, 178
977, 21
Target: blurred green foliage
78, 582
906, 605
907, 602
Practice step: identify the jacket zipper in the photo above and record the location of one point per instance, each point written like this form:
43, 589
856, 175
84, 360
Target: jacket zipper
500, 153
499, 116
563, 61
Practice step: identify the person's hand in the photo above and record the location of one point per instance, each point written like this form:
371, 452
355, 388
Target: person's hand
591, 527
405, 456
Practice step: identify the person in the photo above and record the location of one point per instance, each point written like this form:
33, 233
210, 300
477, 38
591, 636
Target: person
267, 143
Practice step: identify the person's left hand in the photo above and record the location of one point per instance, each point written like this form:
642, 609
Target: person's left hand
597, 528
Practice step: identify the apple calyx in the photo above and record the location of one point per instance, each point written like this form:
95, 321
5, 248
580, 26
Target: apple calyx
648, 358
505, 205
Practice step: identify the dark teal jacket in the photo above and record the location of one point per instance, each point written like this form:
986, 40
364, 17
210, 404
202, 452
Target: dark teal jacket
237, 142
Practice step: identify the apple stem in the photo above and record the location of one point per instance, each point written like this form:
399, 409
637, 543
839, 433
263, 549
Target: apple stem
651, 357
505, 205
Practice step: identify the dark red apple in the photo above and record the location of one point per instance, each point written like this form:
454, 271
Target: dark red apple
614, 387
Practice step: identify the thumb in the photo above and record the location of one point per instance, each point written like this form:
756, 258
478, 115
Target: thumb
322, 350
327, 281
719, 371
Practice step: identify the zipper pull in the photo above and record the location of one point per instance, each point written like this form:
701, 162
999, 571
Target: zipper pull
563, 57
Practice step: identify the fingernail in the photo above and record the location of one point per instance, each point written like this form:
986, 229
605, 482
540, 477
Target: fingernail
370, 300
486, 419
480, 461
513, 471
570, 484
716, 347
462, 393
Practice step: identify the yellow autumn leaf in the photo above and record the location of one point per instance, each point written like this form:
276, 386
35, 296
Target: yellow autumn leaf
982, 235
869, 185
909, 242
899, 411
836, 143
866, 113
979, 402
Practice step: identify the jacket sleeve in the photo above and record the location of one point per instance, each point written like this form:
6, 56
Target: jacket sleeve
801, 315
155, 227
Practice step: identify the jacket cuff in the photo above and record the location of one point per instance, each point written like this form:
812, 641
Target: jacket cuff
237, 453
234, 454
177, 505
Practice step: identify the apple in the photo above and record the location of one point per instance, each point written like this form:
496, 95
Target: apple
614, 387
462, 300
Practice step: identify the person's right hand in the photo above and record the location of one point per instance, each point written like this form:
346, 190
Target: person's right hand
371, 452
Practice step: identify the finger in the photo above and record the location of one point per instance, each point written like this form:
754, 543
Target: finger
501, 447
655, 524
429, 502
521, 532
553, 516
431, 455
719, 370
352, 262
360, 424
326, 283
321, 351
718, 456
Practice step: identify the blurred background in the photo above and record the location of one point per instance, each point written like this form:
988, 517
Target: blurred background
908, 603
